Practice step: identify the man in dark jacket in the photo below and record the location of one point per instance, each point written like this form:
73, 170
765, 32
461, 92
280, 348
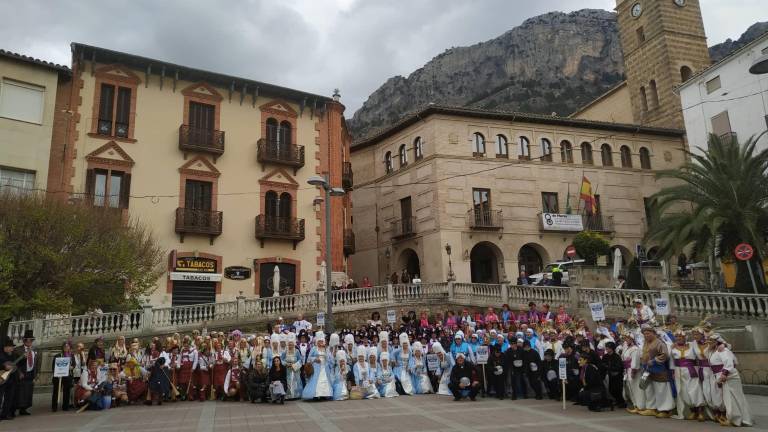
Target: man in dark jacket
550, 373
464, 380
497, 372
28, 370
532, 365
573, 383
614, 368
516, 367
8, 390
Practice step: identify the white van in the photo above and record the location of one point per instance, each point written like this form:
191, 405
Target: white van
562, 265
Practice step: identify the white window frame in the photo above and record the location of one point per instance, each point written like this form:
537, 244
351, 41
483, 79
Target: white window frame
8, 113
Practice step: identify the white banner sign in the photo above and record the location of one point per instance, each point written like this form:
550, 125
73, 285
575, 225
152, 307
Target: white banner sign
482, 354
562, 368
561, 222
196, 277
433, 362
662, 306
598, 311
61, 367
320, 319
391, 316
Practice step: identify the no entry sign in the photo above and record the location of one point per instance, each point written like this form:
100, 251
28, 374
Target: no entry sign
743, 252
570, 251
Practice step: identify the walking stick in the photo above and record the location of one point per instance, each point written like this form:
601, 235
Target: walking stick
58, 396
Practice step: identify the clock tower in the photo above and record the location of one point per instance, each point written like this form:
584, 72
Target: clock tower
664, 44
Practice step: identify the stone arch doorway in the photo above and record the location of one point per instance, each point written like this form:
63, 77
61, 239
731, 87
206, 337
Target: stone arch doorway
626, 255
484, 260
409, 261
531, 258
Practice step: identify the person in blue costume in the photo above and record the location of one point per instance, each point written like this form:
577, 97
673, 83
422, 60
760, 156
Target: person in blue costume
349, 347
474, 342
530, 336
417, 367
384, 344
461, 346
365, 369
386, 377
292, 360
402, 360
501, 343
340, 373
443, 372
319, 385
273, 350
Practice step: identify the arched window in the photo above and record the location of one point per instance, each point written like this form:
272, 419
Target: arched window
626, 157
388, 162
418, 148
273, 131
284, 206
566, 152
478, 144
501, 146
546, 150
654, 95
586, 154
645, 158
402, 154
607, 156
284, 134
271, 203
525, 148
643, 99
685, 73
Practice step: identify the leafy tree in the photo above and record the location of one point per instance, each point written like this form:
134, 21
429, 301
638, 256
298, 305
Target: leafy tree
718, 199
57, 257
590, 245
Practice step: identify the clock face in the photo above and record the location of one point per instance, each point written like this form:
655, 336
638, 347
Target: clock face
637, 9
680, 3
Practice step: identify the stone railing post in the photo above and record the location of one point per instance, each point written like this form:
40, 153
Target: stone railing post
504, 291
240, 306
573, 289
321, 302
449, 287
390, 293
37, 328
146, 317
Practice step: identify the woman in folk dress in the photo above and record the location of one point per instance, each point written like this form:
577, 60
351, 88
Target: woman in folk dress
630, 356
292, 360
402, 360
417, 367
443, 370
386, 377
690, 398
735, 409
319, 385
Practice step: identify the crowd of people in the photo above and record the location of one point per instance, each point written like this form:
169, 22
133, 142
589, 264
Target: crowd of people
634, 363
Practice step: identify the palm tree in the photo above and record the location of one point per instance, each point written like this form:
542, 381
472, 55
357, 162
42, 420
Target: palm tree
719, 199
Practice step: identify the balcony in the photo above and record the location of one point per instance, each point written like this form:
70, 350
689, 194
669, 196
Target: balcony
193, 139
280, 154
191, 221
598, 223
280, 228
486, 220
349, 242
347, 179
403, 228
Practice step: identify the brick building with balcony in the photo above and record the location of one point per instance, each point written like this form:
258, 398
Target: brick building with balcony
216, 165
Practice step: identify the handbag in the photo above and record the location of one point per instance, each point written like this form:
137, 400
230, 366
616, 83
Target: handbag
308, 370
645, 381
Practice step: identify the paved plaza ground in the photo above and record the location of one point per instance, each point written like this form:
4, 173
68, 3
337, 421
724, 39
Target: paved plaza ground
415, 413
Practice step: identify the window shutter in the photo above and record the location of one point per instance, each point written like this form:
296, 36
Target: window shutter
125, 190
90, 183
721, 124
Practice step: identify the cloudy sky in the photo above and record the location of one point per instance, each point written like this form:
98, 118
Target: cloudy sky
312, 45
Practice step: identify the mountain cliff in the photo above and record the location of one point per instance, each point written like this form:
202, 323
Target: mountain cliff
717, 52
555, 62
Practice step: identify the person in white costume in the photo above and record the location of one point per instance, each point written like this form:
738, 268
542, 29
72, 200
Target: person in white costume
402, 359
630, 357
655, 360
642, 313
386, 377
365, 377
690, 398
735, 410
443, 371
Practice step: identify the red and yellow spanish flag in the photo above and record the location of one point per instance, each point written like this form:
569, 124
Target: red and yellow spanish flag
590, 206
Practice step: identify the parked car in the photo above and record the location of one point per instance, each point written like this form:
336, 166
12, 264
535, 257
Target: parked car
562, 265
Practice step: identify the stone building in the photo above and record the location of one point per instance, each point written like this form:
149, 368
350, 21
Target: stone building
216, 165
28, 89
494, 185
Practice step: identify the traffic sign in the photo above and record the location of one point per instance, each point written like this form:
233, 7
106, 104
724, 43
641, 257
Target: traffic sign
744, 252
570, 251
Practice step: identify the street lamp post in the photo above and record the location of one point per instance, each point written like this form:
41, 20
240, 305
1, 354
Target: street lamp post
451, 276
325, 183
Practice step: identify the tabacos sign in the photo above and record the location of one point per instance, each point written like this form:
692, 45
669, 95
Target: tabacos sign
194, 265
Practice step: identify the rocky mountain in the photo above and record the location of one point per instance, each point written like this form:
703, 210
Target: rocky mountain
717, 52
555, 62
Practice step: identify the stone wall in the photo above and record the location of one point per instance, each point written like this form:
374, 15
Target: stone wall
602, 277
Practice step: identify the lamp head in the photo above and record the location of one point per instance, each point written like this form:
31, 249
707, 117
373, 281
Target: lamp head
337, 191
760, 66
317, 181
447, 248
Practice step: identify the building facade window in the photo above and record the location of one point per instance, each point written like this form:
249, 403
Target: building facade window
525, 148
546, 150
388, 162
721, 125
198, 195
566, 152
402, 154
626, 157
586, 153
645, 158
607, 155
643, 99
502, 148
478, 144
279, 134
16, 181
685, 73
549, 202
418, 148
713, 85
108, 188
654, 94
278, 206
114, 103
21, 101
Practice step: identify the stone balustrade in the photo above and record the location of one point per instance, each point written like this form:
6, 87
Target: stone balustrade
162, 320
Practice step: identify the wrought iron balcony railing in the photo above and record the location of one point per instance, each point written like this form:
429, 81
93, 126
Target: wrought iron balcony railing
347, 178
191, 221
403, 228
484, 219
268, 151
349, 242
281, 228
201, 140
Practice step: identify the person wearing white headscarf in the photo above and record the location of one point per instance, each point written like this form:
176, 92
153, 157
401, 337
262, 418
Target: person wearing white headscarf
630, 357
735, 409
386, 377
365, 375
443, 372
319, 385
291, 358
642, 313
273, 350
349, 347
340, 372
402, 360
417, 367
690, 398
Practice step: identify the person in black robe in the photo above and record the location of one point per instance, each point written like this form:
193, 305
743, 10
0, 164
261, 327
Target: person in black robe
572, 382
614, 368
592, 393
9, 388
27, 370
159, 382
463, 379
550, 374
278, 373
257, 383
67, 382
516, 367
532, 363
497, 372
